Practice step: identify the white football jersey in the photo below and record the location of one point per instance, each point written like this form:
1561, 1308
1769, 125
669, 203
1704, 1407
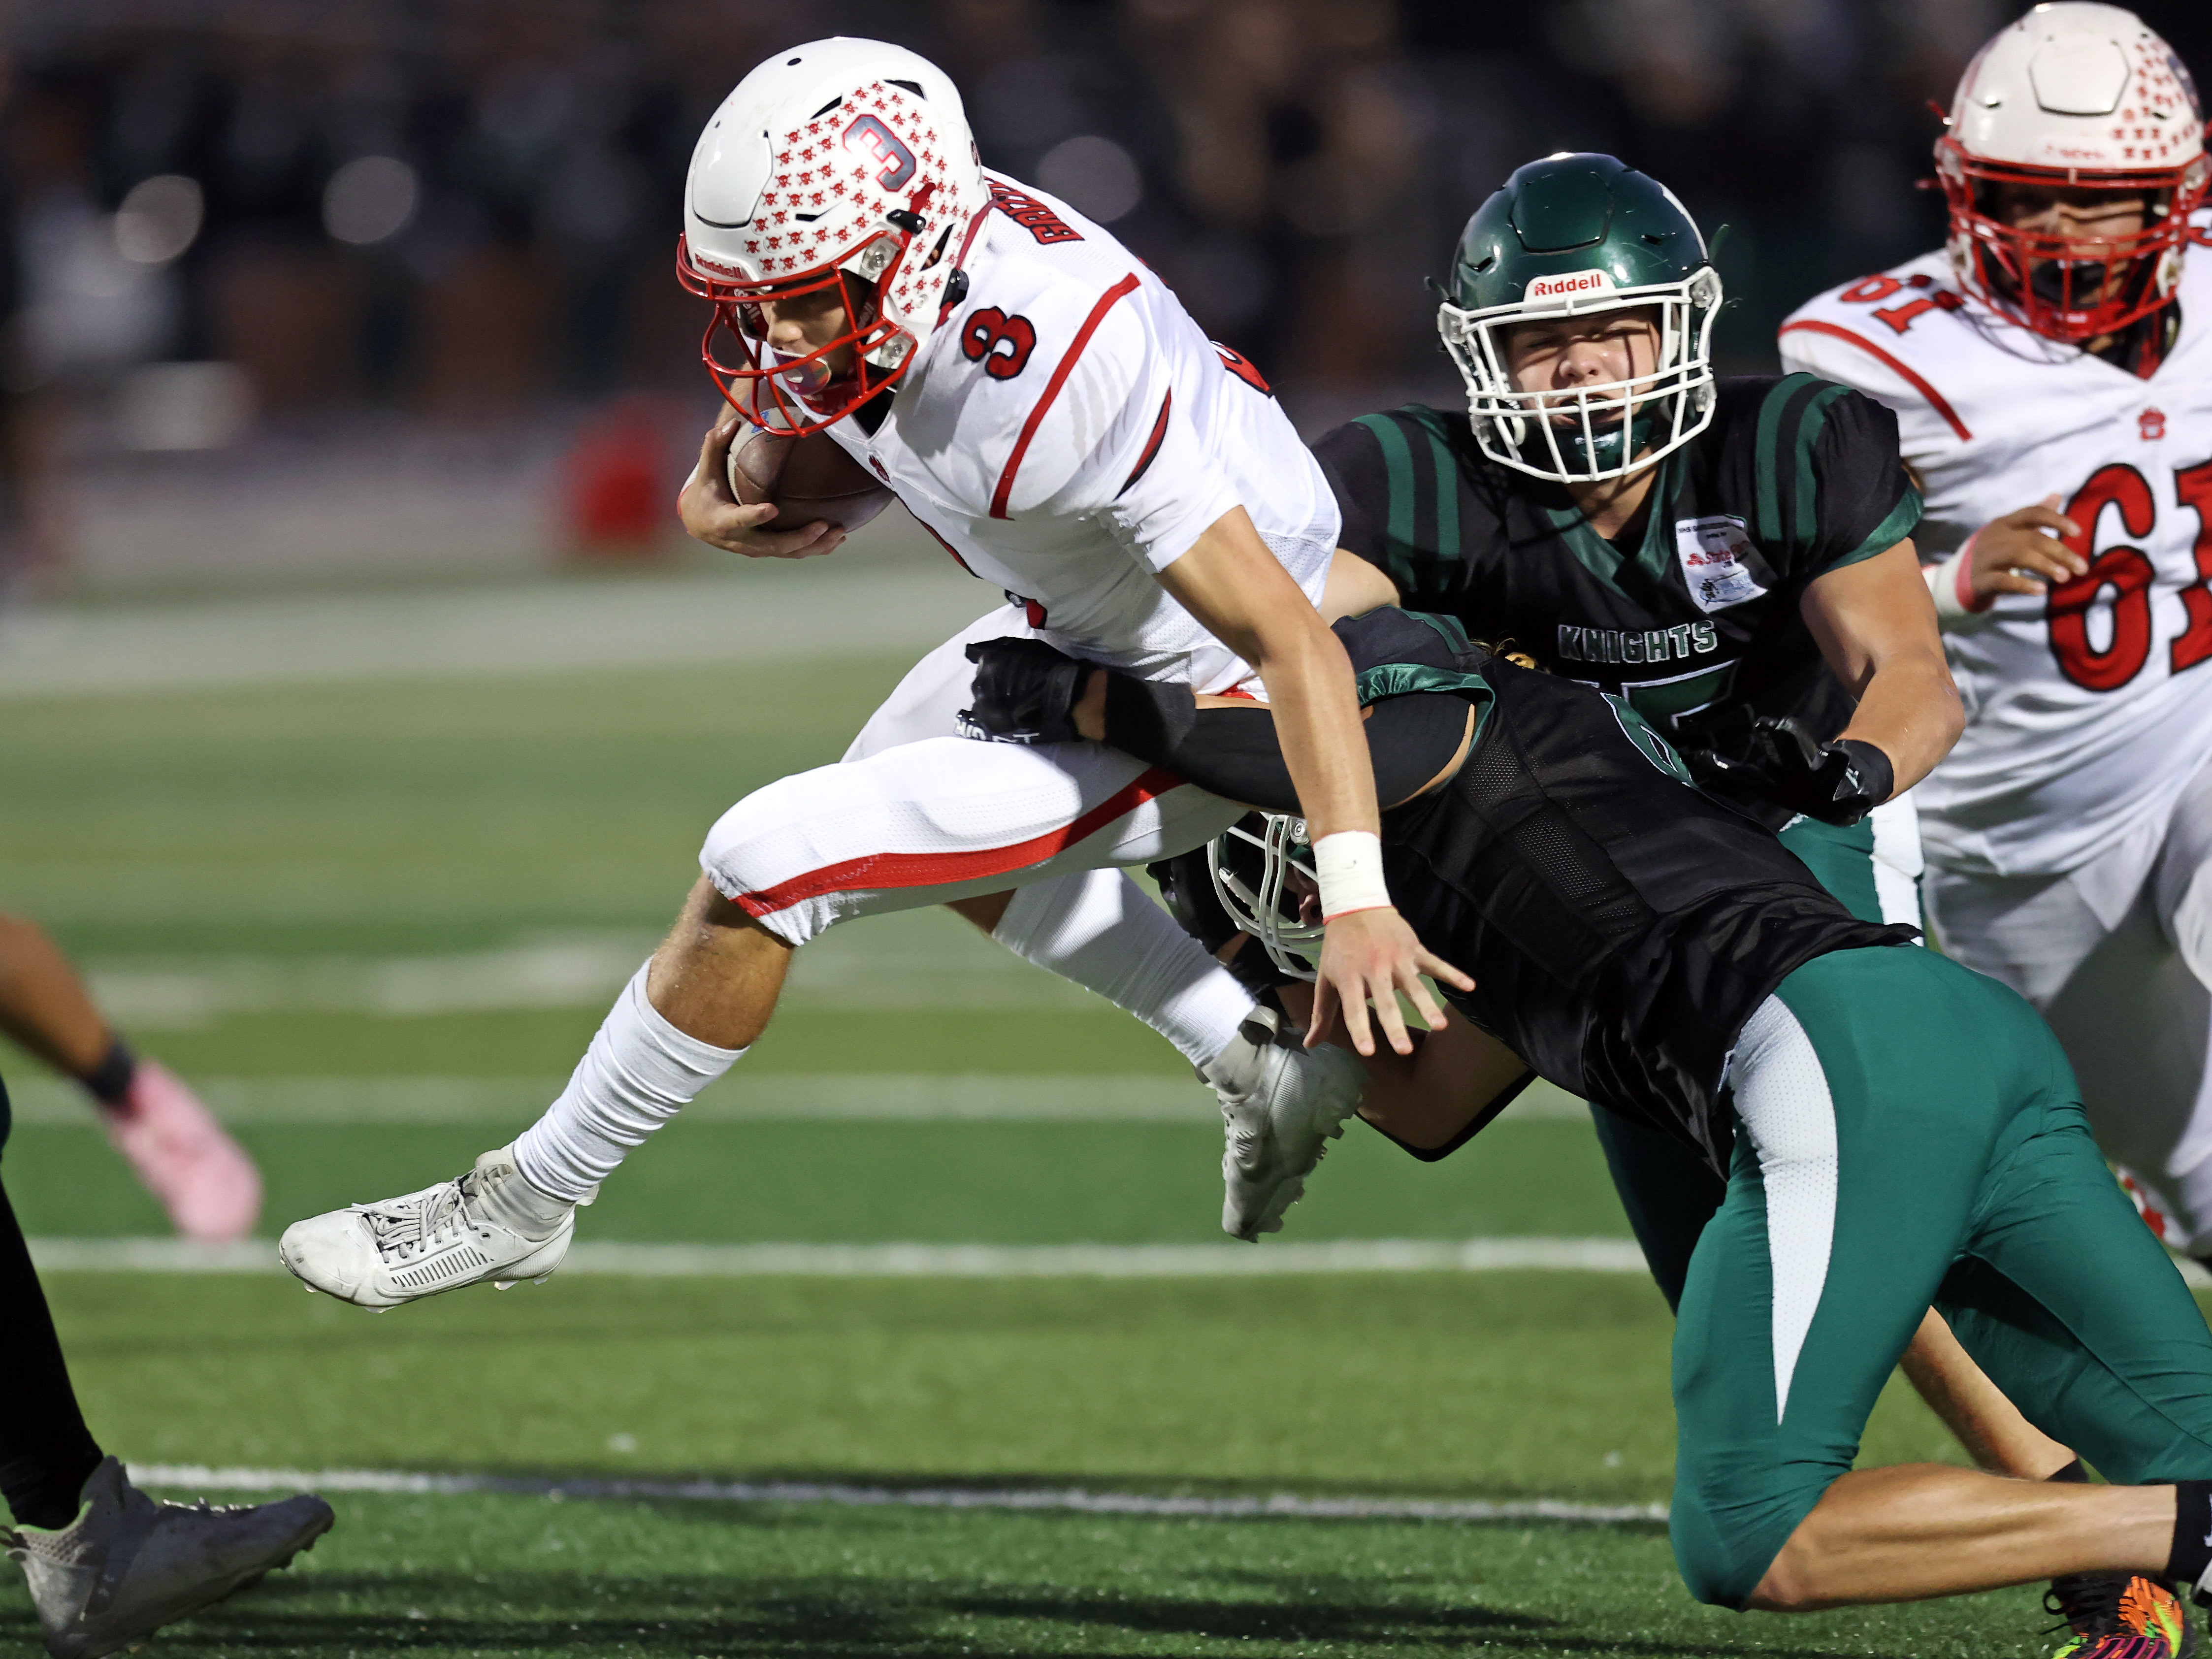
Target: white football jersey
2088, 707
1067, 433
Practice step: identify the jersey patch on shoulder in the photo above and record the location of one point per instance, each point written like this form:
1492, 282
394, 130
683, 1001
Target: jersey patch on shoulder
1031, 215
1719, 563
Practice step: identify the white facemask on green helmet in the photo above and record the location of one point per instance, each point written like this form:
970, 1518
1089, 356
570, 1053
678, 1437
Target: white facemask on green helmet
1573, 236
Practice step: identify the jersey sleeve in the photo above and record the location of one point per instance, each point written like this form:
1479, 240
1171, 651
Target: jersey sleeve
1396, 483
1106, 441
1352, 460
1866, 502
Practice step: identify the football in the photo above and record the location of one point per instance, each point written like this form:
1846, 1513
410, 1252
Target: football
809, 478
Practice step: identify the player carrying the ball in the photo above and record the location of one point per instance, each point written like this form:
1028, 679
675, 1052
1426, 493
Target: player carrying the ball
1041, 403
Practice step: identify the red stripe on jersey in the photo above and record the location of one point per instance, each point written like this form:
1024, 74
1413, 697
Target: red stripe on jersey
1151, 445
947, 546
1106, 302
880, 870
1935, 400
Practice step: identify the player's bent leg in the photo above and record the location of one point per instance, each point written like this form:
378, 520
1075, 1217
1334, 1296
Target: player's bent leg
1083, 927
1862, 1152
1098, 929
1940, 1155
929, 821
2137, 1025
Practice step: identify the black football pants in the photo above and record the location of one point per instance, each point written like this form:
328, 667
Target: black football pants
46, 1453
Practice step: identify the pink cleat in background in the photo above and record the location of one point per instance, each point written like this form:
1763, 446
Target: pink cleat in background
203, 1177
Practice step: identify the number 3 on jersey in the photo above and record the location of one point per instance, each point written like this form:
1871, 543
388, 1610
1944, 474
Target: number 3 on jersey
2127, 571
1001, 343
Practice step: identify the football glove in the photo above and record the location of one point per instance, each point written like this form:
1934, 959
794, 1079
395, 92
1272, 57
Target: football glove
1024, 691
1775, 759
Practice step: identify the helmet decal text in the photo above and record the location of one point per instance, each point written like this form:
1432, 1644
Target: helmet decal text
1559, 288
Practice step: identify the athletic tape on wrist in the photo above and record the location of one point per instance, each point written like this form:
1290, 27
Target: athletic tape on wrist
1952, 583
1350, 867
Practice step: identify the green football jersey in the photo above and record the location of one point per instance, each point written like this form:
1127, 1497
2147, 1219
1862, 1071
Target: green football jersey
1696, 612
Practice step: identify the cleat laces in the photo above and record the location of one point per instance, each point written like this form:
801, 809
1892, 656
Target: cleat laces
415, 1227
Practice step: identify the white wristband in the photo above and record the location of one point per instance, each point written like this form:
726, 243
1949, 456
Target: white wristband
1350, 867
1951, 585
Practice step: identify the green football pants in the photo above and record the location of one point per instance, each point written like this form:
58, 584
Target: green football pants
1668, 1190
1910, 1134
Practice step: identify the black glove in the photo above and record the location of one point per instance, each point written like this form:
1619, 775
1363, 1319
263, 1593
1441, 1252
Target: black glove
1775, 759
1024, 691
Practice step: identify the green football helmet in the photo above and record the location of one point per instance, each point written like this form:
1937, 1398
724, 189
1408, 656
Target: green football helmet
1567, 236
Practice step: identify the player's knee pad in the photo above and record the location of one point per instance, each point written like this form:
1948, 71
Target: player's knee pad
1727, 1531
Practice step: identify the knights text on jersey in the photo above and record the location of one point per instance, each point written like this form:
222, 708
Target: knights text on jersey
1067, 433
2087, 706
1794, 479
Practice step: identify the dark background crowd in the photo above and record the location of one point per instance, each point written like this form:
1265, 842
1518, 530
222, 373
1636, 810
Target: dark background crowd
235, 215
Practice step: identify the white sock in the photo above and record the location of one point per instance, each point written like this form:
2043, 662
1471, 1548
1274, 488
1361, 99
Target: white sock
1098, 929
639, 1072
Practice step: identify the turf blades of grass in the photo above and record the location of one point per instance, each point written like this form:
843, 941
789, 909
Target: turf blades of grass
524, 1577
866, 1181
1503, 1385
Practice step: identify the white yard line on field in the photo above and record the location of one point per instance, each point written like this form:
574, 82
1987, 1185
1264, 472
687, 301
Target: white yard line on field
744, 1098
1226, 1260
528, 627
1076, 1500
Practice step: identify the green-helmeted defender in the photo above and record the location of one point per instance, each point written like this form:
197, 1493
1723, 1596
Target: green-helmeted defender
1730, 556
1575, 235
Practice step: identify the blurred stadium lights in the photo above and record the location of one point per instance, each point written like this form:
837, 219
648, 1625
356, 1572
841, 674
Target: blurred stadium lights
1093, 175
184, 406
159, 219
370, 200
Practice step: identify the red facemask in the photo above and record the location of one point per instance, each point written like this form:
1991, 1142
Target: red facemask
780, 393
2063, 287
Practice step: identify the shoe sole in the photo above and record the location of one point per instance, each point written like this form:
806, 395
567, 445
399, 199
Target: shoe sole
98, 1647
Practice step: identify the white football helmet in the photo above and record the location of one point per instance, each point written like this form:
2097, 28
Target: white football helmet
844, 164
1262, 882
2074, 95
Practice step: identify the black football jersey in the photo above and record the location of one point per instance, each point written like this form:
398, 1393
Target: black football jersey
1795, 477
1620, 924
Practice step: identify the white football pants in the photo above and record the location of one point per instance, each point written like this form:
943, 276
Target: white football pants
912, 817
2118, 957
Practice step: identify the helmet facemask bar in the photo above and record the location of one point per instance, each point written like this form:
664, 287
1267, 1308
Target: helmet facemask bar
1672, 404
2042, 279
1262, 882
799, 395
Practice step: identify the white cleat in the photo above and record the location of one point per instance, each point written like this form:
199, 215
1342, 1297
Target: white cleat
488, 1227
1281, 1104
130, 1564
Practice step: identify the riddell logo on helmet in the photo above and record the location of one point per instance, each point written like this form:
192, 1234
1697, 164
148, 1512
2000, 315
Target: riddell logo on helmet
1559, 288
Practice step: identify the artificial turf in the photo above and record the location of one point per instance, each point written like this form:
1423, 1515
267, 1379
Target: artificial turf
289, 826
1501, 1385
520, 1577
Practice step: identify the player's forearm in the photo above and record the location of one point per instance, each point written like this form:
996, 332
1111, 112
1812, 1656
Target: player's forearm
1911, 712
1310, 686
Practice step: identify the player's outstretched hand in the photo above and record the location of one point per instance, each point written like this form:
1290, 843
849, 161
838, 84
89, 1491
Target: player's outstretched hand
711, 511
2020, 553
1371, 956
